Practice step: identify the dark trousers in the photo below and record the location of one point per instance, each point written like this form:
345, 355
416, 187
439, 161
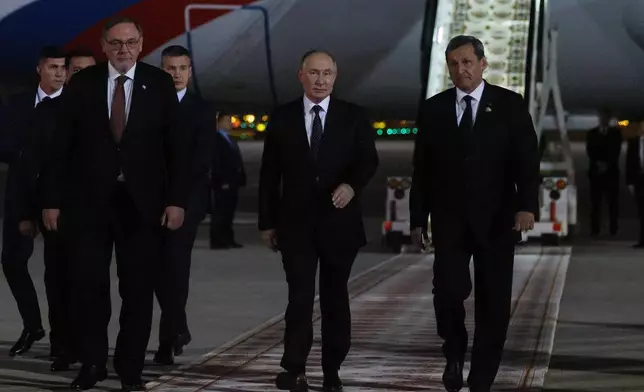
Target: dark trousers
16, 251
138, 247
601, 185
300, 267
63, 330
493, 271
224, 204
174, 280
639, 199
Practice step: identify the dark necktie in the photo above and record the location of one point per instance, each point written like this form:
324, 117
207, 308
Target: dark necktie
117, 117
316, 131
466, 120
47, 98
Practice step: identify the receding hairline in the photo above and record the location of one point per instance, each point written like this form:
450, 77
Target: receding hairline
312, 53
119, 21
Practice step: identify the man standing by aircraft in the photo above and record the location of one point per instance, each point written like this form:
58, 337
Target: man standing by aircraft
18, 248
309, 210
476, 170
120, 174
173, 285
32, 161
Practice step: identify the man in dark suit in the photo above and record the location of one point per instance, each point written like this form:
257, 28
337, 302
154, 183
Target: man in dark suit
31, 164
319, 154
18, 248
227, 176
173, 286
120, 173
476, 170
604, 146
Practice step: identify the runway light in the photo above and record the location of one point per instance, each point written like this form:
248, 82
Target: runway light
379, 132
265, 118
261, 127
249, 118
234, 119
623, 123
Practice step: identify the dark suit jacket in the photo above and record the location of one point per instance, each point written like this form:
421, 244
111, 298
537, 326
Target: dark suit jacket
17, 119
86, 160
227, 163
37, 144
633, 161
481, 179
196, 119
295, 193
605, 149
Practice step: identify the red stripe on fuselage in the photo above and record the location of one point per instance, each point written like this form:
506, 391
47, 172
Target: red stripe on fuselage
161, 20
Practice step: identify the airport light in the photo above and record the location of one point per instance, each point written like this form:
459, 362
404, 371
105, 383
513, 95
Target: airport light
261, 127
265, 118
623, 123
249, 118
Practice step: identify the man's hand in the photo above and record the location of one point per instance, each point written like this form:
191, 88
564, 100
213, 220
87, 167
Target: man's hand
50, 218
523, 221
342, 195
269, 238
28, 228
173, 217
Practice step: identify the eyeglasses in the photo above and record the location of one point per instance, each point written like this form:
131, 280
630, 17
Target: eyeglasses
129, 44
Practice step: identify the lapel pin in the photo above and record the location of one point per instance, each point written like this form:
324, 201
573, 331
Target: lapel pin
488, 109
144, 87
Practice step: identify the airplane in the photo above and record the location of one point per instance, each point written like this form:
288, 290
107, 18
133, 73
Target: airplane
243, 64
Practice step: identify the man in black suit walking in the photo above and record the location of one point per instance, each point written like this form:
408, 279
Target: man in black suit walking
120, 173
604, 146
32, 160
319, 154
173, 286
18, 248
476, 170
227, 177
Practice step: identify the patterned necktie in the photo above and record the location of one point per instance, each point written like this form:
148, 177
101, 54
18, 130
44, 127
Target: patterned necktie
466, 120
316, 131
117, 117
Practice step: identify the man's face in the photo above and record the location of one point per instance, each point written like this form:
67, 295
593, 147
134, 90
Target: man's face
52, 74
180, 69
465, 69
122, 45
78, 63
224, 122
317, 76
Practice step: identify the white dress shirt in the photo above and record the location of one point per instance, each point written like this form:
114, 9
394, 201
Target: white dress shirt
309, 114
111, 86
41, 94
182, 93
461, 104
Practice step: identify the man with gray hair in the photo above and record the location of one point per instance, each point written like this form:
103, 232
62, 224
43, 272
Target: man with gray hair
476, 170
309, 210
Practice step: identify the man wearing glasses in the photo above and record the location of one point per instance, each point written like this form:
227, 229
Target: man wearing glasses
120, 173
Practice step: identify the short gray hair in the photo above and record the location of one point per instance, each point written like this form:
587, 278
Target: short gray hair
462, 40
311, 52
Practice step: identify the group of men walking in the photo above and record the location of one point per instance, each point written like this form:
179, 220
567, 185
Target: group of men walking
117, 161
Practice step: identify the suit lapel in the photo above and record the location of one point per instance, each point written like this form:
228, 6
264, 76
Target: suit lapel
484, 110
102, 100
300, 128
331, 126
138, 98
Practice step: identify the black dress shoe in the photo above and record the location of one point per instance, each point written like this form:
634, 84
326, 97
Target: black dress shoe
453, 376
62, 363
131, 386
26, 340
88, 377
291, 382
183, 339
164, 356
332, 382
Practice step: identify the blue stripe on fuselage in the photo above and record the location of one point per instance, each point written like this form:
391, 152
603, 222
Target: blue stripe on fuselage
49, 22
